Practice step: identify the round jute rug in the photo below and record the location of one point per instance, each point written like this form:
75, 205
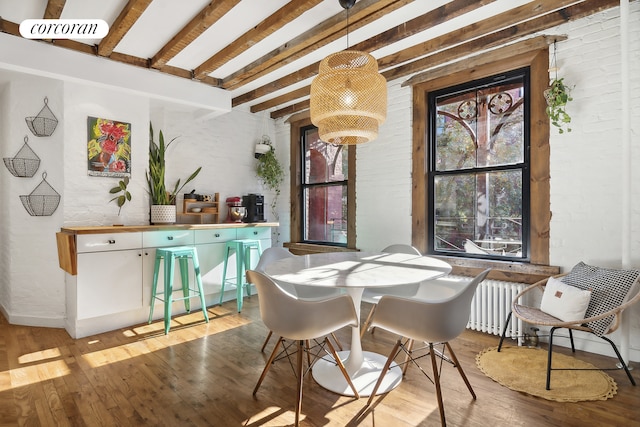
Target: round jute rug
525, 369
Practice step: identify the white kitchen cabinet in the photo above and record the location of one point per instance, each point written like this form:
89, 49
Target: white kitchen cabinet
211, 253
110, 270
109, 274
263, 234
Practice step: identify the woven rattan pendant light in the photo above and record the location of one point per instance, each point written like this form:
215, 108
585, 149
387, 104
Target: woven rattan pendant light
348, 96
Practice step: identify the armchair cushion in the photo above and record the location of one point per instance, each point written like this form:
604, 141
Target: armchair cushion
564, 301
609, 289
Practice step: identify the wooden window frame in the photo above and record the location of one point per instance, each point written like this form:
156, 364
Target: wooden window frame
297, 124
538, 63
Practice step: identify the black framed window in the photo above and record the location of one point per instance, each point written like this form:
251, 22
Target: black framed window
324, 189
478, 171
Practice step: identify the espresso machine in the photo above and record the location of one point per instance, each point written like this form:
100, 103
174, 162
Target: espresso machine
254, 203
235, 211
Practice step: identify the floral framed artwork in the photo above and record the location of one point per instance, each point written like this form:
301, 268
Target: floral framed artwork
108, 147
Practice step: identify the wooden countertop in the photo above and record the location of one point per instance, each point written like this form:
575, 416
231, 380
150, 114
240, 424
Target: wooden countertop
133, 228
66, 237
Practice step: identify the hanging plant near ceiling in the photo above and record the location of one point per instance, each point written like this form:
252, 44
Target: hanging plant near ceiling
557, 96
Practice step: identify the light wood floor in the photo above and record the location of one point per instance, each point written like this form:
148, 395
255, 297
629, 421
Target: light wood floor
203, 375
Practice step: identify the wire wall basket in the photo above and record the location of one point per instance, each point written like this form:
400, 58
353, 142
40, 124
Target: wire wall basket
25, 163
44, 123
43, 200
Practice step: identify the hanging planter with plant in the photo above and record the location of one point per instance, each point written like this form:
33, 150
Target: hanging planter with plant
557, 96
270, 172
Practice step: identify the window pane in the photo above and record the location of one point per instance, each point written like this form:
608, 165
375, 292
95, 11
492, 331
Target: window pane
480, 127
326, 213
324, 162
479, 213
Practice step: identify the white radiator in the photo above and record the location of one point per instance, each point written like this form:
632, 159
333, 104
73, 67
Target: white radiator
491, 305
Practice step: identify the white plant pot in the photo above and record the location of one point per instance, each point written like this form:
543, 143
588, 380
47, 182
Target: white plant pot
261, 149
163, 214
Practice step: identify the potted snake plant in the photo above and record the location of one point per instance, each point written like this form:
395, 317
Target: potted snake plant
163, 202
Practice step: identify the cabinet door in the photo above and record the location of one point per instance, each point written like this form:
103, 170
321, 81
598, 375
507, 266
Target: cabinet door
260, 233
211, 257
109, 282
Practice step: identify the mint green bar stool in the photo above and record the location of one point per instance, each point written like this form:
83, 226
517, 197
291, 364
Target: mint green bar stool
182, 254
242, 249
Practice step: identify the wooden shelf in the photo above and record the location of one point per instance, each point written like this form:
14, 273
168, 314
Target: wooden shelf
212, 207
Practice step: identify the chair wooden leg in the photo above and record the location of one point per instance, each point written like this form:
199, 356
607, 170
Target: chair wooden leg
407, 358
436, 381
268, 365
459, 367
266, 341
338, 343
504, 330
342, 368
367, 322
301, 345
387, 365
308, 348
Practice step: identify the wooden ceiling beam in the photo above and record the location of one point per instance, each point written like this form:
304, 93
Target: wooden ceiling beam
123, 23
523, 28
271, 24
54, 9
290, 109
281, 100
414, 26
504, 36
334, 28
475, 30
198, 25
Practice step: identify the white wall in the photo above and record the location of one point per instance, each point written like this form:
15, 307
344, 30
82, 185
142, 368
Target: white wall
32, 286
37, 294
587, 164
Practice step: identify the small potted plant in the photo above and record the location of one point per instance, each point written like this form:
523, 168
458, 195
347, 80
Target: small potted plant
123, 197
163, 202
557, 97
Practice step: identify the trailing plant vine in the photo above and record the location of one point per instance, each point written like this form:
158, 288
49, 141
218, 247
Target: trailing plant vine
557, 96
271, 173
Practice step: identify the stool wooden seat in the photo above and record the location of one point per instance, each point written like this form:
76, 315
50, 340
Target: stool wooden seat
242, 249
182, 254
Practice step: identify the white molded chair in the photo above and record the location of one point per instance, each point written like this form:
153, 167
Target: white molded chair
301, 320
309, 293
433, 322
373, 295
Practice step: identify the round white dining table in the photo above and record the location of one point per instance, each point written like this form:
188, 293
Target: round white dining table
355, 271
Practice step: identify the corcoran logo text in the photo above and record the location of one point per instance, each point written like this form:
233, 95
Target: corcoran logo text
63, 28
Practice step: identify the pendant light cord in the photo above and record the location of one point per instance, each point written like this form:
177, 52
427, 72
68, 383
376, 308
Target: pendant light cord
554, 65
348, 28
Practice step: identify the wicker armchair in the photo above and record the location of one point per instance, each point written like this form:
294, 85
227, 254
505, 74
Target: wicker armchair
535, 316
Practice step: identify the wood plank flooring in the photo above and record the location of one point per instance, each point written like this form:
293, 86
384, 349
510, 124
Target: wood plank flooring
204, 374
